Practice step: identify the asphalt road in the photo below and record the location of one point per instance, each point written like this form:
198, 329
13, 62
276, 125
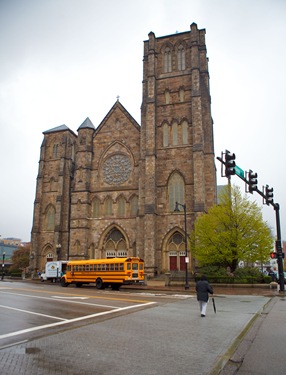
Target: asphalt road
49, 330
31, 310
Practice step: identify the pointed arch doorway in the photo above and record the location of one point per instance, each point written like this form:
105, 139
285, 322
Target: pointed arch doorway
177, 253
115, 245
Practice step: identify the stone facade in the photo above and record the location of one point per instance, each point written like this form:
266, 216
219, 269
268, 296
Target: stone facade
112, 190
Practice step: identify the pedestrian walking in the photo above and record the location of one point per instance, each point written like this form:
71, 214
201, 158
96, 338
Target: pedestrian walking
203, 289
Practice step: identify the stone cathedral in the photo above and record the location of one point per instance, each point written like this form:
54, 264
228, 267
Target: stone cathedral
111, 190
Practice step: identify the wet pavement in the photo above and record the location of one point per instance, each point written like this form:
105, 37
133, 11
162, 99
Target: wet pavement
166, 339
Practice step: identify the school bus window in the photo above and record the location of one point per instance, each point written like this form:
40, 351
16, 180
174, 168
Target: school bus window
111, 267
116, 266
103, 267
128, 266
121, 266
107, 267
135, 266
87, 267
99, 267
76, 268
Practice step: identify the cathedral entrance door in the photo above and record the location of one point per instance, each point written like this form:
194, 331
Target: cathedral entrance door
173, 263
182, 263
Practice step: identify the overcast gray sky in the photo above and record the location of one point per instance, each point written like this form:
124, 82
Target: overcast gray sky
55, 56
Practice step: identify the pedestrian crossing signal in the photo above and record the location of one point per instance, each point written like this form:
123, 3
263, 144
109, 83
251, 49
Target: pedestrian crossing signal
273, 255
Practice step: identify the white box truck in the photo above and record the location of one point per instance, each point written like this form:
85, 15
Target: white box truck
54, 270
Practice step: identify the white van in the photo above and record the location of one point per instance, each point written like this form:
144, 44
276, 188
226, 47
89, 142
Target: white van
54, 270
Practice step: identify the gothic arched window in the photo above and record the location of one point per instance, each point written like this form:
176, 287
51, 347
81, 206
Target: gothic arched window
95, 207
185, 132
55, 150
175, 133
121, 204
108, 206
134, 206
176, 190
50, 218
165, 135
181, 58
115, 243
176, 242
167, 60
167, 97
182, 95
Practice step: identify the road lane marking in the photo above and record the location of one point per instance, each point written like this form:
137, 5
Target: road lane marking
63, 300
32, 312
62, 297
28, 330
90, 296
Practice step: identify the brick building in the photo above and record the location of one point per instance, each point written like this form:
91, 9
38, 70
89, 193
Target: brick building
111, 190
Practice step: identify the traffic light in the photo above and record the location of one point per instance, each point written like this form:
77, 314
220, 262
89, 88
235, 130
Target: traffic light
229, 164
252, 181
269, 195
273, 255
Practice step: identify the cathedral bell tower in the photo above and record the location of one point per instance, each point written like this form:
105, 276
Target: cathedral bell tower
177, 152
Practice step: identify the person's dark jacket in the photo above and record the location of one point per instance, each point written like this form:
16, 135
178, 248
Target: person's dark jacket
203, 289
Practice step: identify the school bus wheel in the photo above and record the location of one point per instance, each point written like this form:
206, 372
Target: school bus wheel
115, 286
99, 283
63, 282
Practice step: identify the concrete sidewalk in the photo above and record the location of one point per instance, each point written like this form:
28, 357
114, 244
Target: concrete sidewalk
169, 339
262, 350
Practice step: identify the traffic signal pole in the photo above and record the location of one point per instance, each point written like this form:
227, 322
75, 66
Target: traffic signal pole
230, 169
279, 248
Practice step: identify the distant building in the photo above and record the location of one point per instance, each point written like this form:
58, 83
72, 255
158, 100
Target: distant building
11, 241
8, 245
7, 251
111, 190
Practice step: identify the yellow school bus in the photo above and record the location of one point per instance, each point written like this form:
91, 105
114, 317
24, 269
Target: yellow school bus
112, 272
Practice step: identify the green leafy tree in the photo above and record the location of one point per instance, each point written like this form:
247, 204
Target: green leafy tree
230, 232
20, 258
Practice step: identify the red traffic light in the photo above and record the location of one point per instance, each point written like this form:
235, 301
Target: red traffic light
273, 255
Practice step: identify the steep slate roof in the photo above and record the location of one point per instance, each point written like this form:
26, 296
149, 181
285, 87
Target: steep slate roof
60, 128
86, 124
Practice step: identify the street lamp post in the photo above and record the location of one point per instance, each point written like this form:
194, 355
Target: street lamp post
186, 241
58, 247
3, 266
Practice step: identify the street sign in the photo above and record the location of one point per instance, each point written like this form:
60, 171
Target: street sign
239, 172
